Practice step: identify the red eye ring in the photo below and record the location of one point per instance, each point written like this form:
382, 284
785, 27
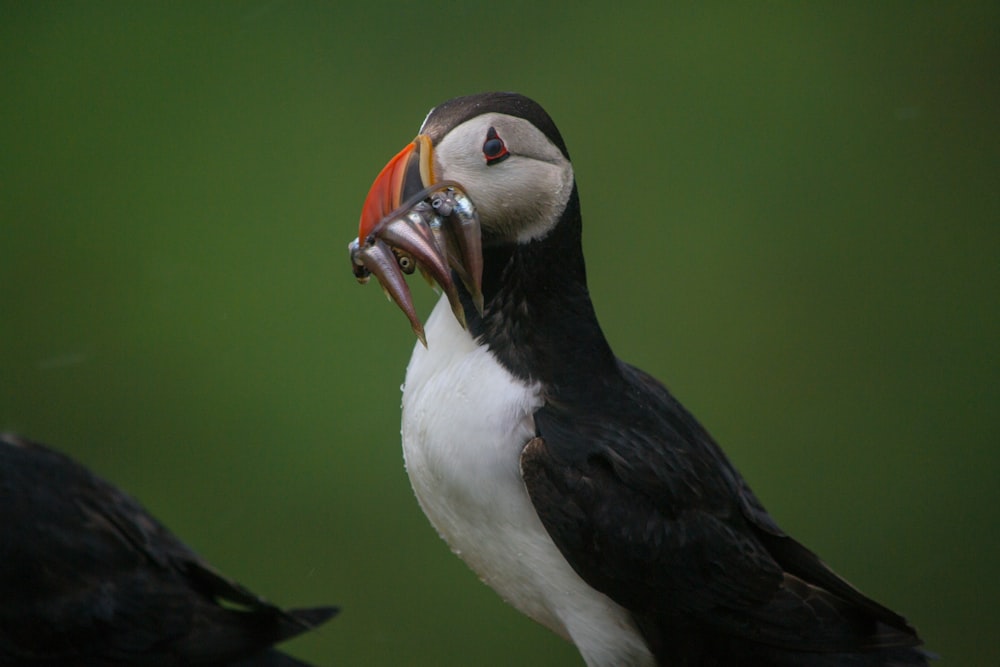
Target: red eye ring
494, 149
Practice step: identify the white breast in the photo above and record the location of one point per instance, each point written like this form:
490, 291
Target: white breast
465, 421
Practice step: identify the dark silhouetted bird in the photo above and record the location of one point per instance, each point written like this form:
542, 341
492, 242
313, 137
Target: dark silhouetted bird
573, 483
89, 578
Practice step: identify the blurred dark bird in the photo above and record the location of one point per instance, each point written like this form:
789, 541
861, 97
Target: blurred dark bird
88, 577
573, 483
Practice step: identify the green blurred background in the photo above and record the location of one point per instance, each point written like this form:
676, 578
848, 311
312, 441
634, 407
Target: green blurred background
792, 218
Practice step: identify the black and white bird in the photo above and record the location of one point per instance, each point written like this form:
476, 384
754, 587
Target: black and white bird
571, 482
88, 578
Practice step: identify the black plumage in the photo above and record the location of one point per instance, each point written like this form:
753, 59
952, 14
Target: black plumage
88, 577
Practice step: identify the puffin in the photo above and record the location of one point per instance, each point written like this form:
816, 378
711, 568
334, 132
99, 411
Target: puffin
574, 484
89, 578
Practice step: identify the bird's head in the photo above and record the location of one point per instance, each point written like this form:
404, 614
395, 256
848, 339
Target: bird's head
484, 170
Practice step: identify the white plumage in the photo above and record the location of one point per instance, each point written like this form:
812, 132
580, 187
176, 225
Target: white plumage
465, 421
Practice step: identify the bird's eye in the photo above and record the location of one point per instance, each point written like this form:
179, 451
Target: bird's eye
494, 149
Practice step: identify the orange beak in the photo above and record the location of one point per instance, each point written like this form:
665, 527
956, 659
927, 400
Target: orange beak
411, 221
409, 172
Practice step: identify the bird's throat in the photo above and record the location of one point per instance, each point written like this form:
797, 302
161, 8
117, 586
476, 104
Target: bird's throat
538, 318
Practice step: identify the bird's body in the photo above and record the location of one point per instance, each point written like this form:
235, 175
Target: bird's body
573, 483
89, 578
464, 465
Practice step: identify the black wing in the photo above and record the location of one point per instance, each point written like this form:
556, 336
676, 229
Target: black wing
89, 577
648, 510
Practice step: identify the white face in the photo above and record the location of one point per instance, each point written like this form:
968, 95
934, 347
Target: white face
519, 198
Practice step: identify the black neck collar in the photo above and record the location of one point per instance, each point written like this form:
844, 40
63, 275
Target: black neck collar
538, 319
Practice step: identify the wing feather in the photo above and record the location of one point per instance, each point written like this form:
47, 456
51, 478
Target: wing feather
648, 510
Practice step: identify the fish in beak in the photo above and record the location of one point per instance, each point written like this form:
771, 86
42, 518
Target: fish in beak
412, 221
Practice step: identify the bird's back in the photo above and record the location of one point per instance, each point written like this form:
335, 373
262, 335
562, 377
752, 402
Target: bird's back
90, 578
